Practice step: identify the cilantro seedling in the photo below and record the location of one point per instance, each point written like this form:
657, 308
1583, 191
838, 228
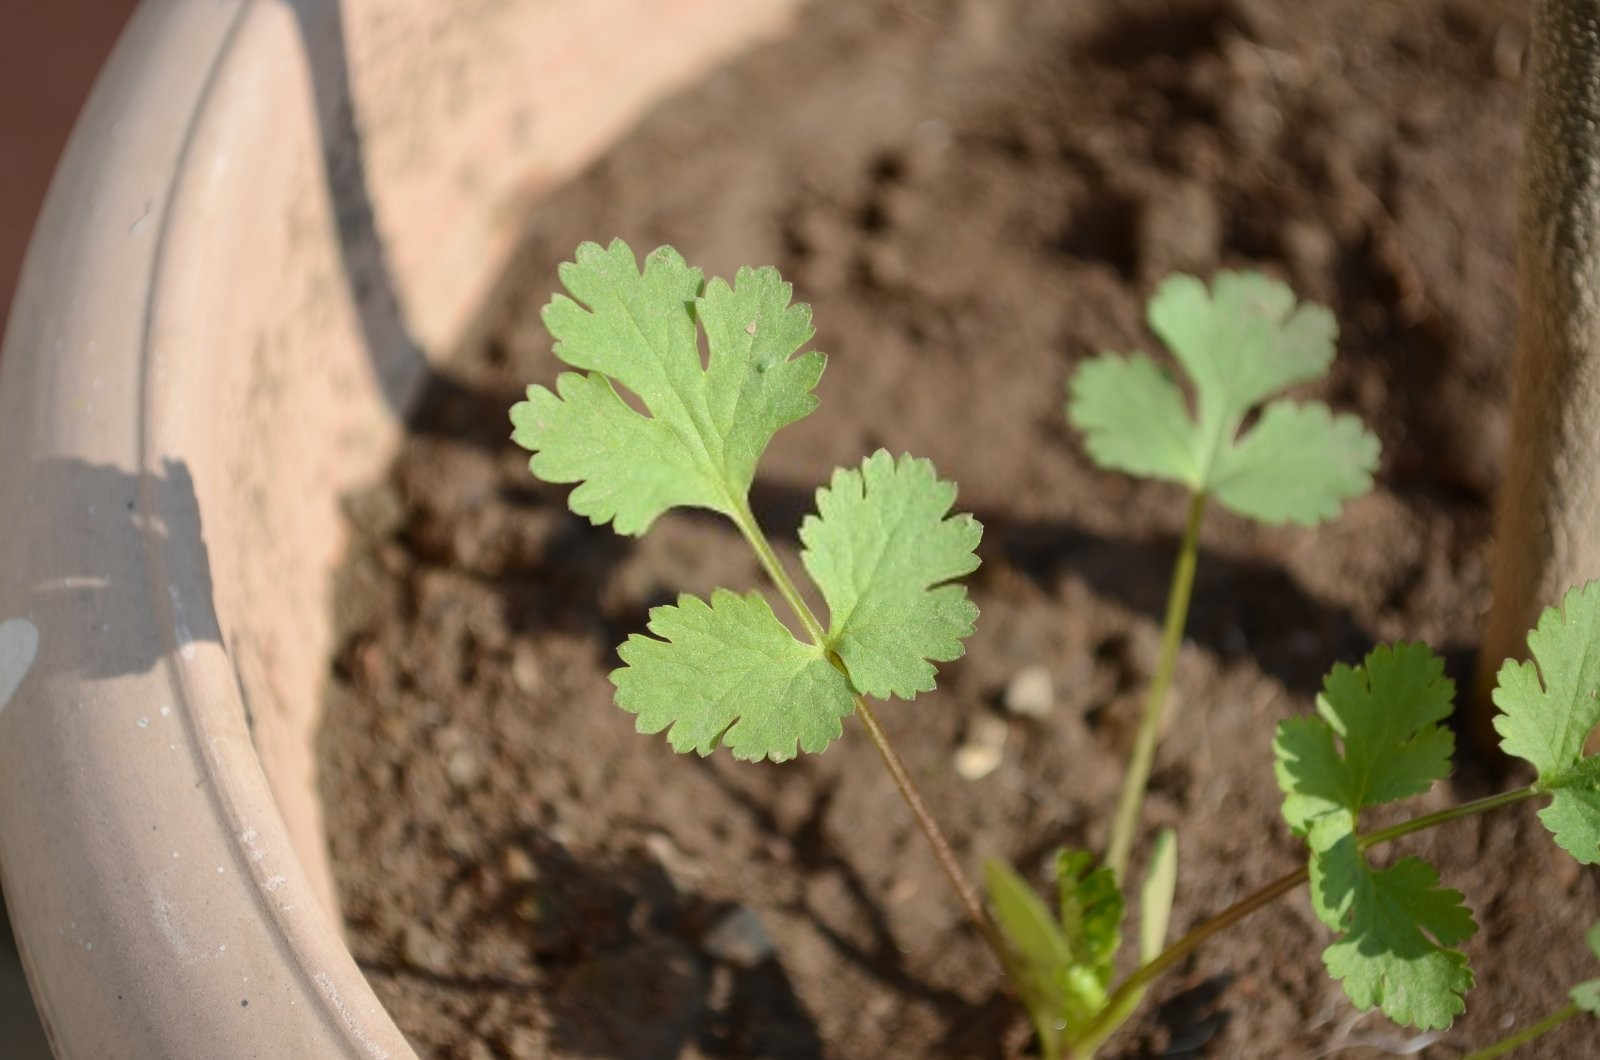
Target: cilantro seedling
883, 548
1240, 344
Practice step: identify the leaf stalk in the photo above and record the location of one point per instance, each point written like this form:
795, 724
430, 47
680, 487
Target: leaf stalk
1126, 821
745, 520
1526, 1034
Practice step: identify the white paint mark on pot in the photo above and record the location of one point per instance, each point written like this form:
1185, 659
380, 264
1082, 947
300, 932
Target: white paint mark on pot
19, 644
143, 723
161, 912
165, 711
330, 994
180, 628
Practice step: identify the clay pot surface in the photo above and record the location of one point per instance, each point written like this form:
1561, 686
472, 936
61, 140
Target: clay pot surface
268, 216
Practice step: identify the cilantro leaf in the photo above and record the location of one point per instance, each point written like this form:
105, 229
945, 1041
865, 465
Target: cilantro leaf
1239, 344
1547, 723
706, 427
1586, 995
1296, 465
1377, 739
1399, 925
730, 673
1133, 418
881, 549
1386, 714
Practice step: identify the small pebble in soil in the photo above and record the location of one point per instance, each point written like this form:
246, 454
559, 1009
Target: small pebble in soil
525, 672
1030, 692
519, 867
980, 755
738, 938
463, 768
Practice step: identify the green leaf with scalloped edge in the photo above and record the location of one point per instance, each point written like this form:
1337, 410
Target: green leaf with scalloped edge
1398, 928
884, 550
1549, 705
706, 425
1240, 343
728, 672
1377, 738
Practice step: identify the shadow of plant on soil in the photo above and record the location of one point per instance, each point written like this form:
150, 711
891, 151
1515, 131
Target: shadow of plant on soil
1243, 609
972, 1029
619, 960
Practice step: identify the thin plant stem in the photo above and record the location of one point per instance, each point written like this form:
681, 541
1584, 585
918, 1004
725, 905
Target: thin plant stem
1526, 1034
930, 828
1452, 813
1117, 1004
942, 852
745, 520
1126, 821
1148, 972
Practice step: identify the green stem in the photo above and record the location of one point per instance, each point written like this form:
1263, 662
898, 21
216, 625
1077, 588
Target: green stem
1118, 1005
1526, 1034
1148, 972
942, 851
1445, 816
1126, 822
745, 520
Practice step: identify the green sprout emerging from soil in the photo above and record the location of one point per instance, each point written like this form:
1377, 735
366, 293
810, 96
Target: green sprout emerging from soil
884, 553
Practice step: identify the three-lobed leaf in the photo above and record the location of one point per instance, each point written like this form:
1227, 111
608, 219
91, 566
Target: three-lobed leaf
1399, 927
729, 672
1548, 721
707, 425
1240, 343
883, 548
1378, 738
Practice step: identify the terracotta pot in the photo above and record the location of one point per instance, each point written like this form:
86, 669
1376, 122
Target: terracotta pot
268, 216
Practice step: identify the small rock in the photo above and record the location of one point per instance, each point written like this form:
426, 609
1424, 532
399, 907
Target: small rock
683, 870
463, 767
739, 939
519, 867
981, 754
1507, 56
525, 670
1030, 692
1308, 246
425, 950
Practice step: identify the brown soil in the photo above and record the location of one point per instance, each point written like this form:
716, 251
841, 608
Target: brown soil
973, 196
